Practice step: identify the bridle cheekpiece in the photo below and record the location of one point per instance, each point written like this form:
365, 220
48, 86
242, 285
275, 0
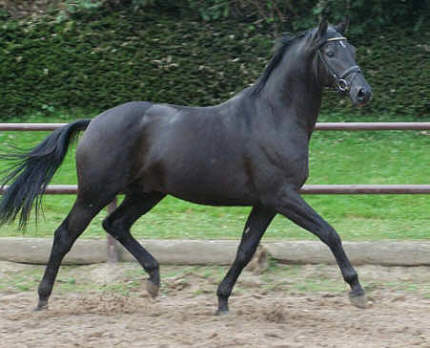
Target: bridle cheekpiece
342, 84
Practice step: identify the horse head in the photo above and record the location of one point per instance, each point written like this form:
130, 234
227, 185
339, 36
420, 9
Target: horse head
335, 62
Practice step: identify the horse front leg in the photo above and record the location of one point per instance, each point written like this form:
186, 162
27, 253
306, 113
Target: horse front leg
257, 223
290, 204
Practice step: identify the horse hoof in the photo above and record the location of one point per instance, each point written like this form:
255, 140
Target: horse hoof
152, 289
359, 301
221, 312
41, 307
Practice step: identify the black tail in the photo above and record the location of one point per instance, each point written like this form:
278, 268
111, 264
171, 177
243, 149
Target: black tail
32, 172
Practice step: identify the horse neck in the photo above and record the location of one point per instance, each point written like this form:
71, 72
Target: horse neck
294, 90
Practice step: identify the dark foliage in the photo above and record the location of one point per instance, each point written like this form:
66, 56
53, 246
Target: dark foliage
96, 59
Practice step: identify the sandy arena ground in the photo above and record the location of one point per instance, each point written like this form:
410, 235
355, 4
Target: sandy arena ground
284, 306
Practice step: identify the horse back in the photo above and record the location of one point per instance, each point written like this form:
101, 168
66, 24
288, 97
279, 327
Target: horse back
197, 154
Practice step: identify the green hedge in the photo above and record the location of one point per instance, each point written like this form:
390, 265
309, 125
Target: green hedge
98, 59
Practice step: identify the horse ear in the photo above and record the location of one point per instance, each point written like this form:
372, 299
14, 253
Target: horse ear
322, 28
342, 27
320, 35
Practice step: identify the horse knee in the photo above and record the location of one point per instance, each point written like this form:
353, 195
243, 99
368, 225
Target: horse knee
334, 239
112, 227
107, 226
330, 237
243, 257
62, 241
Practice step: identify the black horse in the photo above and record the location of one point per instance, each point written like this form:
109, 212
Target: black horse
251, 150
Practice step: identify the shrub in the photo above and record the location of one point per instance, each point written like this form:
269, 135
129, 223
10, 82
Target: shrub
98, 58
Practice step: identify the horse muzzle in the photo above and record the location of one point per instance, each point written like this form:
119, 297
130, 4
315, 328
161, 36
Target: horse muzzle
352, 82
360, 92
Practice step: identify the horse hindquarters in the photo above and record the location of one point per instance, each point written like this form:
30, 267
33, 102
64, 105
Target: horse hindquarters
104, 170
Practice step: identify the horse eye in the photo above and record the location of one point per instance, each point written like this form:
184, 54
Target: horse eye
330, 53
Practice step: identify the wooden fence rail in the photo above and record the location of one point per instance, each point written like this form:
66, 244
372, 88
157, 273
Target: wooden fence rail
327, 126
306, 189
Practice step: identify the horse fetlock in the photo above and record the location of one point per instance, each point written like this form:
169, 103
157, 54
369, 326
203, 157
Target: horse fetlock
223, 292
153, 269
44, 291
352, 279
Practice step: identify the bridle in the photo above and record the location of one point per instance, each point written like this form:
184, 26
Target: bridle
342, 84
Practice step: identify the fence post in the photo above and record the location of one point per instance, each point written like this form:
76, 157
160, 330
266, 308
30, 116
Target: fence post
112, 244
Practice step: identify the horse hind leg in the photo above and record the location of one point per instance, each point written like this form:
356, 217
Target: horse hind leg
118, 225
66, 234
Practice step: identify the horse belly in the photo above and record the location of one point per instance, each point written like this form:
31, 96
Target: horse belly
215, 199
209, 186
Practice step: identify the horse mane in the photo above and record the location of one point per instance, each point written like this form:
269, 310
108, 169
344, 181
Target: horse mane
281, 47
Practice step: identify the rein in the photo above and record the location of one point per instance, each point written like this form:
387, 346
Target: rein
342, 84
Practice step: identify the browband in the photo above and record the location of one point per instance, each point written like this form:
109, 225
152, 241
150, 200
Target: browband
337, 38
342, 84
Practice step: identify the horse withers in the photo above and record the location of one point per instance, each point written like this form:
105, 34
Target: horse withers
251, 150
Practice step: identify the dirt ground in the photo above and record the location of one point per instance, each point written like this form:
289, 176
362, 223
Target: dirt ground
284, 306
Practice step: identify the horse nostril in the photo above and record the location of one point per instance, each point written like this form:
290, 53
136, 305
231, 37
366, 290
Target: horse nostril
363, 94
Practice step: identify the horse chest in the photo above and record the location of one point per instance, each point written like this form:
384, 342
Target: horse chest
285, 165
